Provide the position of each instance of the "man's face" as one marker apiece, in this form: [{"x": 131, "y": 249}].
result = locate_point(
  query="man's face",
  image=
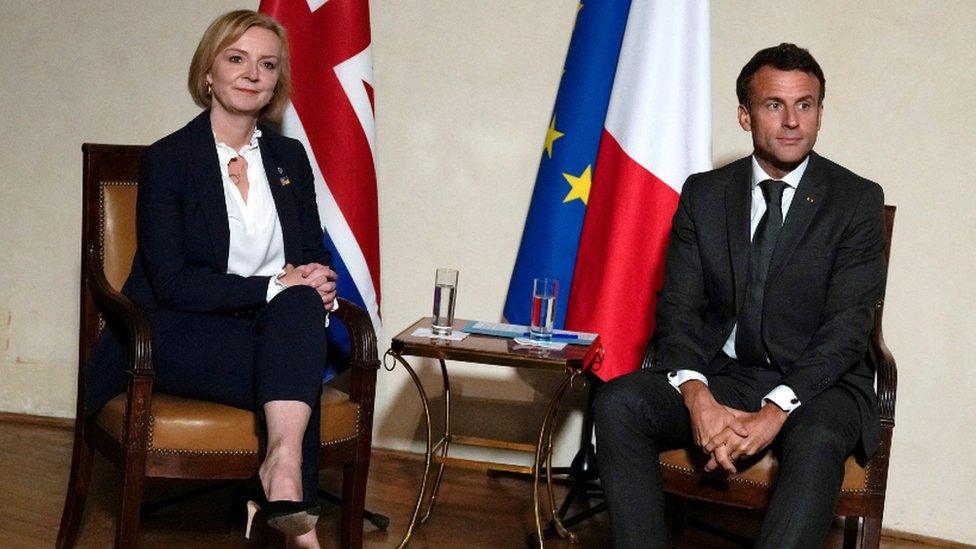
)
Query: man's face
[{"x": 783, "y": 115}]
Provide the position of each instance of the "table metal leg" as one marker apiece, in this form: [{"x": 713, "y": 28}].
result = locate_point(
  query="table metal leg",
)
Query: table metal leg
[
  {"x": 556, "y": 517},
  {"x": 556, "y": 520},
  {"x": 544, "y": 451},
  {"x": 445, "y": 445},
  {"x": 430, "y": 442},
  {"x": 437, "y": 452}
]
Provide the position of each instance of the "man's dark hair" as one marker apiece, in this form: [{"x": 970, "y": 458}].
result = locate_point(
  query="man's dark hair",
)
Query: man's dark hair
[{"x": 785, "y": 57}]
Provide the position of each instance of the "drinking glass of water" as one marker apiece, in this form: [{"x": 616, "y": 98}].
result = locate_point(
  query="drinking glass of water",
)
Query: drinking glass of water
[
  {"x": 445, "y": 291},
  {"x": 544, "y": 292}
]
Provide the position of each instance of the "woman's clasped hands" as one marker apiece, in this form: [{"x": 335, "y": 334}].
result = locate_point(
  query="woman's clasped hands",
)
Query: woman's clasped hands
[{"x": 318, "y": 276}]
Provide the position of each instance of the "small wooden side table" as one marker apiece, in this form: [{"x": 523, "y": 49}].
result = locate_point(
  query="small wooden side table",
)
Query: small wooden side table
[{"x": 572, "y": 360}]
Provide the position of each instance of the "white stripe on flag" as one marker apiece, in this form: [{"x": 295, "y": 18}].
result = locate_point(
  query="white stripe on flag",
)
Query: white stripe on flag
[
  {"x": 316, "y": 4},
  {"x": 660, "y": 107},
  {"x": 352, "y": 73},
  {"x": 335, "y": 223}
]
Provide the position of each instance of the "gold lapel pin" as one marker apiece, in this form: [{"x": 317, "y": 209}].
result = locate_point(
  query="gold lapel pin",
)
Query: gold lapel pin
[{"x": 284, "y": 181}]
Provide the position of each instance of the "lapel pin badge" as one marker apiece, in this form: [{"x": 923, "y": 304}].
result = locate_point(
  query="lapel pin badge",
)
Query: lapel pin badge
[
  {"x": 284, "y": 181},
  {"x": 810, "y": 199},
  {"x": 280, "y": 171}
]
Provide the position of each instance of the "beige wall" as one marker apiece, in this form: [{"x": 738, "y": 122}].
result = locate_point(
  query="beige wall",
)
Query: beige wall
[{"x": 464, "y": 92}]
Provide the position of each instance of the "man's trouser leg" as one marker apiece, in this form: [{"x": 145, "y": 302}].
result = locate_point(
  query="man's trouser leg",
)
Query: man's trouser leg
[
  {"x": 636, "y": 417},
  {"x": 812, "y": 446},
  {"x": 634, "y": 414}
]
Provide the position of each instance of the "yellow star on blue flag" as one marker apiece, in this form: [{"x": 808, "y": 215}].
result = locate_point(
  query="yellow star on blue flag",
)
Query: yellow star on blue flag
[
  {"x": 579, "y": 185},
  {"x": 551, "y": 136}
]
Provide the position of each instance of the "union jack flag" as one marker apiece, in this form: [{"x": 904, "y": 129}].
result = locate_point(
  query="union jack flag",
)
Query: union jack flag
[{"x": 331, "y": 113}]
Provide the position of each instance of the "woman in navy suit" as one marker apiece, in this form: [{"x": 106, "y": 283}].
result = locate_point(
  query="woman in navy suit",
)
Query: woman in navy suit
[{"x": 230, "y": 267}]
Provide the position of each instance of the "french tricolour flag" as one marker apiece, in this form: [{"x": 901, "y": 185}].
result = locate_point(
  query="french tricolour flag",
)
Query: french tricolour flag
[
  {"x": 331, "y": 113},
  {"x": 657, "y": 132},
  {"x": 632, "y": 120}
]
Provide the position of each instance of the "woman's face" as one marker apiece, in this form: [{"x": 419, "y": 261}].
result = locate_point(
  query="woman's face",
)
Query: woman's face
[{"x": 244, "y": 74}]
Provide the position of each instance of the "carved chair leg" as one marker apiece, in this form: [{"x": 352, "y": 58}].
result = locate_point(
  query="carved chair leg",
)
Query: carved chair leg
[
  {"x": 130, "y": 499},
  {"x": 77, "y": 494},
  {"x": 354, "y": 477},
  {"x": 851, "y": 530},
  {"x": 872, "y": 533}
]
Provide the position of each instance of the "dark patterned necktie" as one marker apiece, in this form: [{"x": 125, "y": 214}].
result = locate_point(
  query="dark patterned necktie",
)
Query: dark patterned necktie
[{"x": 749, "y": 346}]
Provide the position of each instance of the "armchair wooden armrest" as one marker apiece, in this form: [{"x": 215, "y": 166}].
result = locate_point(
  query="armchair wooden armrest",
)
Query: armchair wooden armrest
[
  {"x": 363, "y": 355},
  {"x": 363, "y": 358},
  {"x": 121, "y": 311},
  {"x": 887, "y": 372},
  {"x": 885, "y": 369}
]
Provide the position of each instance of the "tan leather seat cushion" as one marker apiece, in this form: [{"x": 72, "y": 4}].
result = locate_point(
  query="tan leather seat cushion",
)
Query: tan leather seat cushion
[
  {"x": 762, "y": 472},
  {"x": 185, "y": 425}
]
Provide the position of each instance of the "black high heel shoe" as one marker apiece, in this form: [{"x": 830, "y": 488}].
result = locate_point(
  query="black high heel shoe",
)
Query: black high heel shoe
[{"x": 292, "y": 518}]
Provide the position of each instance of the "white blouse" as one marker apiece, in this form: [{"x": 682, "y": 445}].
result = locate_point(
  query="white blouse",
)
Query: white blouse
[{"x": 256, "y": 245}]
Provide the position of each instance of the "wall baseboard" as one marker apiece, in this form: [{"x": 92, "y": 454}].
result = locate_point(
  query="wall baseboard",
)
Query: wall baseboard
[
  {"x": 929, "y": 541},
  {"x": 29, "y": 419}
]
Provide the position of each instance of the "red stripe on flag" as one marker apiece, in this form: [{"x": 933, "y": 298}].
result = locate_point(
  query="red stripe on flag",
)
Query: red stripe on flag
[
  {"x": 620, "y": 263},
  {"x": 372, "y": 100}
]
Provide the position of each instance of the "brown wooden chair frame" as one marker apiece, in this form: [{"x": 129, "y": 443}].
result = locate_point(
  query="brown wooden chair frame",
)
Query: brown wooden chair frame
[
  {"x": 864, "y": 502},
  {"x": 119, "y": 165}
]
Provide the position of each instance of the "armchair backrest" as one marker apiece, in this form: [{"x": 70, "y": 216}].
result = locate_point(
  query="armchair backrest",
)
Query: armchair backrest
[{"x": 109, "y": 187}]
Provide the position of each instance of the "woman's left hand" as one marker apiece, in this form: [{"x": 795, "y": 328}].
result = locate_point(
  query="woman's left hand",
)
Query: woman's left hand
[{"x": 323, "y": 279}]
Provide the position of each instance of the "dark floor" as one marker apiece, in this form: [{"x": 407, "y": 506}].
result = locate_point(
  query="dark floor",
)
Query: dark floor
[{"x": 473, "y": 510}]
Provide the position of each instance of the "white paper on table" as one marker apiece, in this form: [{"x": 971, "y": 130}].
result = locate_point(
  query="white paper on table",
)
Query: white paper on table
[
  {"x": 427, "y": 332},
  {"x": 543, "y": 344}
]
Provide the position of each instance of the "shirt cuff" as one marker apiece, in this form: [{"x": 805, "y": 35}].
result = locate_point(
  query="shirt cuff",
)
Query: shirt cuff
[
  {"x": 681, "y": 376},
  {"x": 334, "y": 308},
  {"x": 784, "y": 397},
  {"x": 275, "y": 286}
]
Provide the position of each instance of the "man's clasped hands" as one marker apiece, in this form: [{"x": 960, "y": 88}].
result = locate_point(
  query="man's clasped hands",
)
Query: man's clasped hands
[{"x": 725, "y": 433}]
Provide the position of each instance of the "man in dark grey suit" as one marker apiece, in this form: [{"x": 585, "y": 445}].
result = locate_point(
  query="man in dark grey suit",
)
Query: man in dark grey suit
[{"x": 773, "y": 269}]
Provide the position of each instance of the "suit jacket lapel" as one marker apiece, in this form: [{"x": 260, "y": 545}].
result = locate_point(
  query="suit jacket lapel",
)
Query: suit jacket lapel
[
  {"x": 204, "y": 168},
  {"x": 810, "y": 194},
  {"x": 738, "y": 212},
  {"x": 284, "y": 200}
]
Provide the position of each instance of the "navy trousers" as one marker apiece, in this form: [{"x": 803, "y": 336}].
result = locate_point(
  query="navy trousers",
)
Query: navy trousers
[
  {"x": 245, "y": 361},
  {"x": 641, "y": 414}
]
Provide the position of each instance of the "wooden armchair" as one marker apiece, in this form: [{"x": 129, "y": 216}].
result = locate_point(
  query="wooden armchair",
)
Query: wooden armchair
[
  {"x": 150, "y": 434},
  {"x": 863, "y": 490}
]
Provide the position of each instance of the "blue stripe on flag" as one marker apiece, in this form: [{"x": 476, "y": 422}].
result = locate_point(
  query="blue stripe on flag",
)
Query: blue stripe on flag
[
  {"x": 336, "y": 334},
  {"x": 552, "y": 228}
]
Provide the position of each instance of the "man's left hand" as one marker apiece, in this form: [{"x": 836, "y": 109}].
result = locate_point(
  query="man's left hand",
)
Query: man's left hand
[{"x": 728, "y": 446}]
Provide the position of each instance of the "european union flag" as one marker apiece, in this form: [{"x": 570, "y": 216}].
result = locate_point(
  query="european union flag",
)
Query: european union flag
[{"x": 552, "y": 229}]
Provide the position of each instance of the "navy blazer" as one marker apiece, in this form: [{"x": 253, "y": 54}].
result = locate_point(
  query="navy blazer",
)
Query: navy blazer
[
  {"x": 183, "y": 235},
  {"x": 825, "y": 276},
  {"x": 182, "y": 226}
]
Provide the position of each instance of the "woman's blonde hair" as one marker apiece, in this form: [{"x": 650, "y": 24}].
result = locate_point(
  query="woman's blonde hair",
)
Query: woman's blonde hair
[{"x": 223, "y": 32}]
